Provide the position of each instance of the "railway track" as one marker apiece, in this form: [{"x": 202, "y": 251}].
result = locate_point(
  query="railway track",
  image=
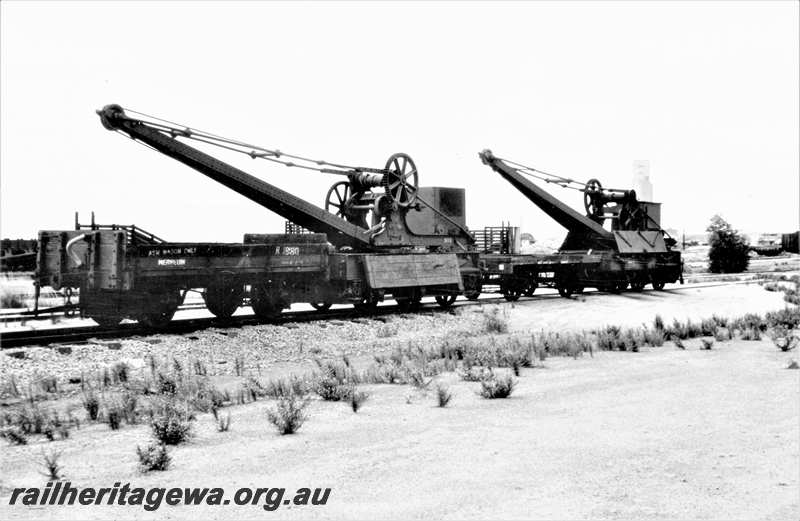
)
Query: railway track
[{"x": 82, "y": 334}]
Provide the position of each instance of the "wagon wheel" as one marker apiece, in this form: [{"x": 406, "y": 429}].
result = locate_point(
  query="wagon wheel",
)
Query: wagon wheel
[
  {"x": 265, "y": 305},
  {"x": 592, "y": 188},
  {"x": 445, "y": 301},
  {"x": 337, "y": 198},
  {"x": 159, "y": 309},
  {"x": 511, "y": 289},
  {"x": 321, "y": 306},
  {"x": 530, "y": 288},
  {"x": 658, "y": 285},
  {"x": 366, "y": 307},
  {"x": 107, "y": 320},
  {"x": 402, "y": 180},
  {"x": 223, "y": 298}
]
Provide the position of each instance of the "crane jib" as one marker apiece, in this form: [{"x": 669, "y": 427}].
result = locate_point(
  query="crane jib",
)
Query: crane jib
[{"x": 307, "y": 215}]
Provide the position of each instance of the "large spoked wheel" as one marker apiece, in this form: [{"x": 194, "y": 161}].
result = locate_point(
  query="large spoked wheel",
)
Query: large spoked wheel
[
  {"x": 223, "y": 298},
  {"x": 402, "y": 180},
  {"x": 265, "y": 305},
  {"x": 592, "y": 188},
  {"x": 321, "y": 306},
  {"x": 159, "y": 309},
  {"x": 337, "y": 198},
  {"x": 445, "y": 301}
]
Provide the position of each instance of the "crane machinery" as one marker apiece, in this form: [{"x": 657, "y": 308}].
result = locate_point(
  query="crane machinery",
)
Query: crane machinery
[{"x": 618, "y": 243}]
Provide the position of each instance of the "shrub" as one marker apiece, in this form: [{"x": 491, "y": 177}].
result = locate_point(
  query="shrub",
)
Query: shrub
[
  {"x": 793, "y": 365},
  {"x": 654, "y": 337},
  {"x": 387, "y": 330},
  {"x": 494, "y": 323},
  {"x": 285, "y": 387},
  {"x": 357, "y": 399},
  {"x": 91, "y": 403},
  {"x": 783, "y": 338},
  {"x": 114, "y": 417},
  {"x": 658, "y": 323},
  {"x": 678, "y": 343},
  {"x": 120, "y": 372},
  {"x": 223, "y": 424},
  {"x": 128, "y": 407},
  {"x": 331, "y": 390},
  {"x": 492, "y": 388},
  {"x": 723, "y": 334},
  {"x": 752, "y": 333},
  {"x": 154, "y": 457},
  {"x": 708, "y": 343},
  {"x": 289, "y": 415},
  {"x": 52, "y": 468},
  {"x": 49, "y": 384},
  {"x": 475, "y": 374},
  {"x": 171, "y": 423},
  {"x": 443, "y": 395},
  {"x": 787, "y": 317},
  {"x": 728, "y": 249},
  {"x": 31, "y": 419},
  {"x": 14, "y": 435}
]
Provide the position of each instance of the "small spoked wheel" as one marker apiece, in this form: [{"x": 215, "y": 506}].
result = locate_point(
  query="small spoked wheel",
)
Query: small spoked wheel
[
  {"x": 445, "y": 301},
  {"x": 402, "y": 180},
  {"x": 337, "y": 198},
  {"x": 321, "y": 306}
]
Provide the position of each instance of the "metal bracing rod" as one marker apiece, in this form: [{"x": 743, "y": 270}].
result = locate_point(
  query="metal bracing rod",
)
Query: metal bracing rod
[
  {"x": 558, "y": 211},
  {"x": 307, "y": 215},
  {"x": 254, "y": 151}
]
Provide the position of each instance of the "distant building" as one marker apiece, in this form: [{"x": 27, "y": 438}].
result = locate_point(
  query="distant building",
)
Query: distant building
[{"x": 641, "y": 180}]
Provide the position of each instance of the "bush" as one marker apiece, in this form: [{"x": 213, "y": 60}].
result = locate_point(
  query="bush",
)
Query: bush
[
  {"x": 783, "y": 338},
  {"x": 154, "y": 457},
  {"x": 723, "y": 334},
  {"x": 494, "y": 323},
  {"x": 14, "y": 435},
  {"x": 786, "y": 317},
  {"x": 120, "y": 372},
  {"x": 114, "y": 417},
  {"x": 752, "y": 333},
  {"x": 708, "y": 343},
  {"x": 729, "y": 250},
  {"x": 91, "y": 403},
  {"x": 492, "y": 388},
  {"x": 289, "y": 415},
  {"x": 171, "y": 424},
  {"x": 678, "y": 343},
  {"x": 443, "y": 395},
  {"x": 223, "y": 424},
  {"x": 52, "y": 468},
  {"x": 286, "y": 386},
  {"x": 357, "y": 399}
]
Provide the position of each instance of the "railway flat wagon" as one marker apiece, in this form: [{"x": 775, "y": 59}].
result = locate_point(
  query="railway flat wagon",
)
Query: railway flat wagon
[
  {"x": 632, "y": 251},
  {"x": 379, "y": 236}
]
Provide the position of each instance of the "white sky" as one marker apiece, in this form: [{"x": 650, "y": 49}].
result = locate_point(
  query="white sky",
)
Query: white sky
[{"x": 708, "y": 93}]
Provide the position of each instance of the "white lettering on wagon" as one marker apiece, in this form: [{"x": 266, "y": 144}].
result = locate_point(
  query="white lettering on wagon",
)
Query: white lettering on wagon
[
  {"x": 171, "y": 262},
  {"x": 287, "y": 250}
]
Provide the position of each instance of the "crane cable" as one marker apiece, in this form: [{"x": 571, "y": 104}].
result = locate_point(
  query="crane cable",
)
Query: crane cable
[{"x": 255, "y": 151}]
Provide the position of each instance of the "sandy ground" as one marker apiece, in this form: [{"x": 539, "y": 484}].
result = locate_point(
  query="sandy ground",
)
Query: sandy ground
[
  {"x": 660, "y": 434},
  {"x": 664, "y": 434}
]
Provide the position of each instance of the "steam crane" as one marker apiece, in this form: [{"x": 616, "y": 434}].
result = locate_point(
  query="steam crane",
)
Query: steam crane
[
  {"x": 380, "y": 234},
  {"x": 401, "y": 216},
  {"x": 634, "y": 250}
]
